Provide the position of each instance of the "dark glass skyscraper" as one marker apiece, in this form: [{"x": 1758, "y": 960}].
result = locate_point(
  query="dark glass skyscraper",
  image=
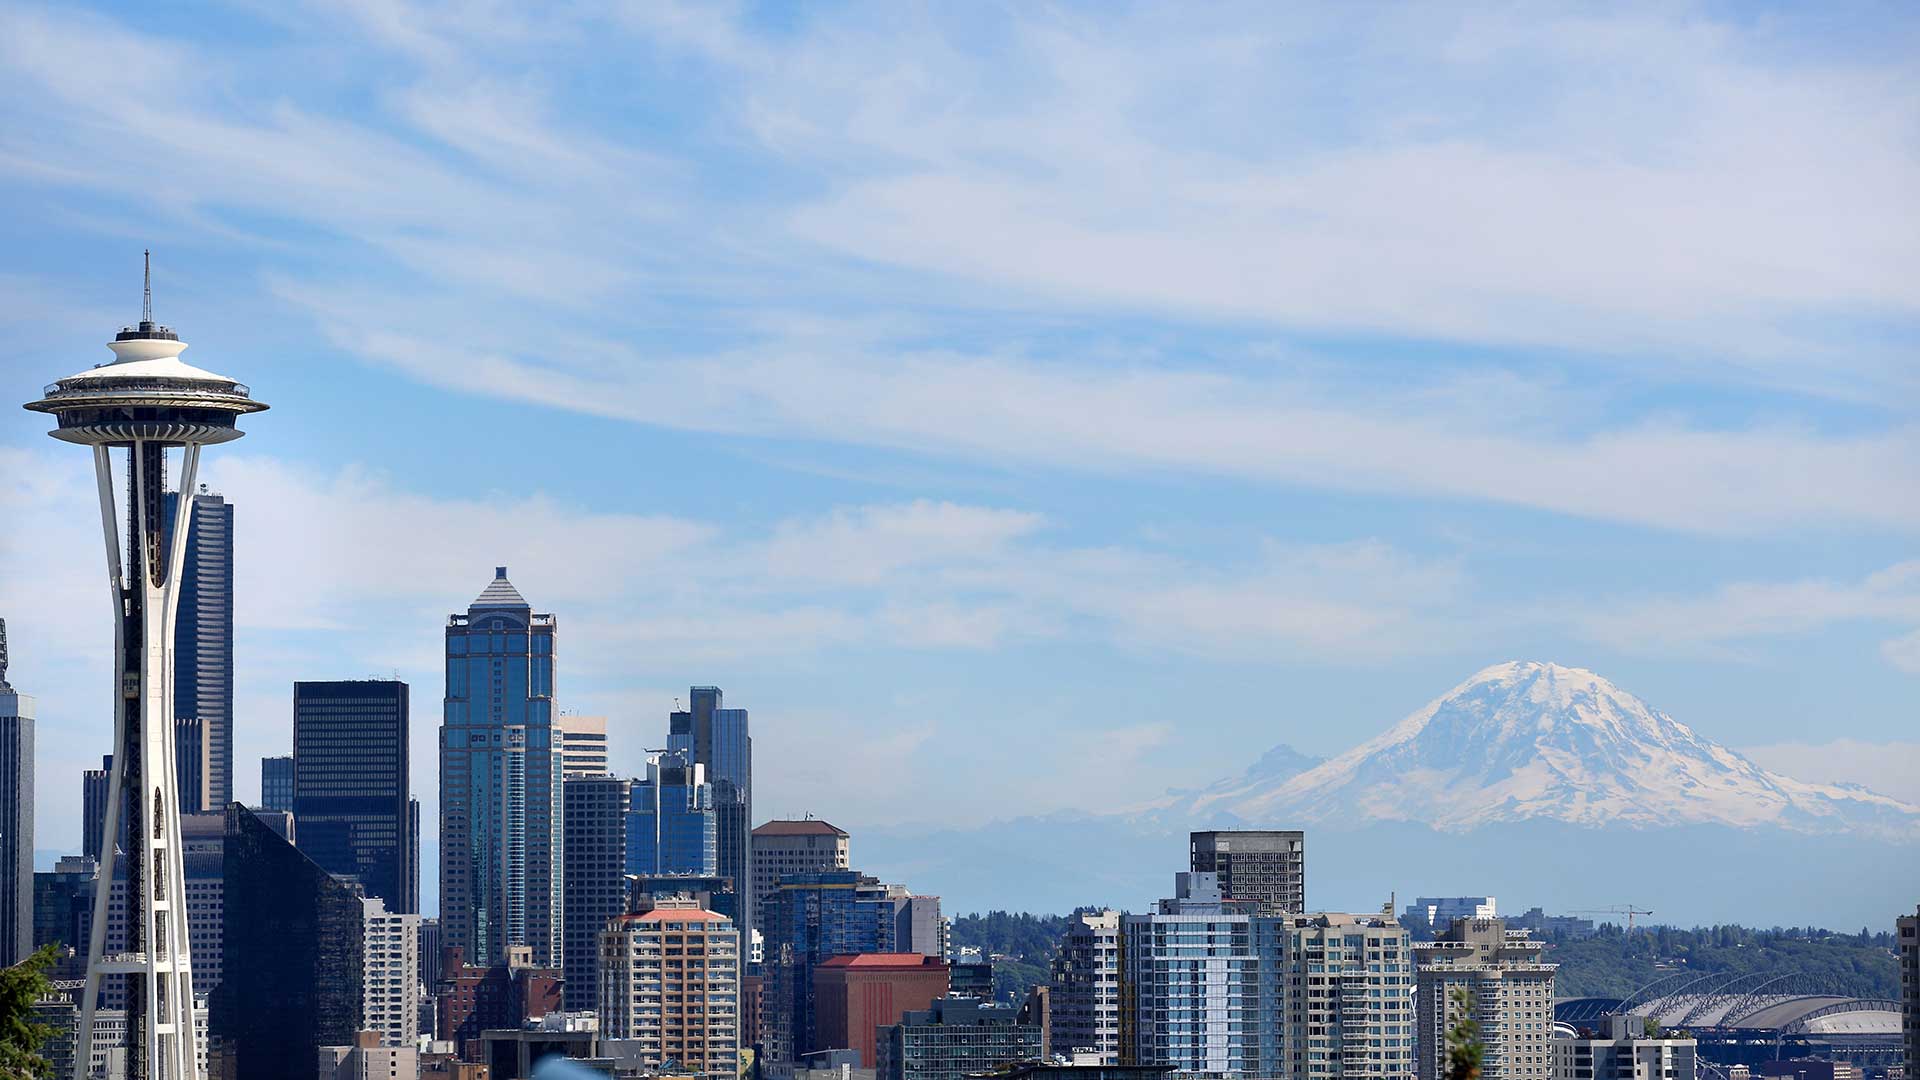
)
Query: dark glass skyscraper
[
  {"x": 203, "y": 641},
  {"x": 276, "y": 783},
  {"x": 296, "y": 934},
  {"x": 350, "y": 783},
  {"x": 191, "y": 756},
  {"x": 596, "y": 863},
  {"x": 93, "y": 807},
  {"x": 500, "y": 767},
  {"x": 16, "y": 817},
  {"x": 719, "y": 740}
]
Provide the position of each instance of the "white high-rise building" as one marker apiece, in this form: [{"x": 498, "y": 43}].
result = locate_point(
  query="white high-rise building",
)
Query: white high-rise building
[
  {"x": 390, "y": 974},
  {"x": 1622, "y": 1049},
  {"x": 1217, "y": 990},
  {"x": 1511, "y": 990},
  {"x": 1191, "y": 973},
  {"x": 583, "y": 745},
  {"x": 1346, "y": 984},
  {"x": 145, "y": 403},
  {"x": 1084, "y": 993}
]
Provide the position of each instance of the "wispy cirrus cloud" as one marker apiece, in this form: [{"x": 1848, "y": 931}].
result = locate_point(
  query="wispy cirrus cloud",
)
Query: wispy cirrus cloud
[
  {"x": 343, "y": 572},
  {"x": 1724, "y": 619},
  {"x": 1672, "y": 196}
]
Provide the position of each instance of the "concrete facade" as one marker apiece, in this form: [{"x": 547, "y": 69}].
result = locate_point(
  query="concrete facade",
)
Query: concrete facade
[
  {"x": 670, "y": 982},
  {"x": 954, "y": 1038},
  {"x": 1620, "y": 1051},
  {"x": 1511, "y": 989},
  {"x": 785, "y": 848},
  {"x": 583, "y": 745},
  {"x": 390, "y": 974},
  {"x": 1084, "y": 994},
  {"x": 1268, "y": 867}
]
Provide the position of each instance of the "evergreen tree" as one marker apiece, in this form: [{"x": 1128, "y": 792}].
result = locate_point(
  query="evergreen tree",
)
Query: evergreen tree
[
  {"x": 1464, "y": 1049},
  {"x": 20, "y": 1035}
]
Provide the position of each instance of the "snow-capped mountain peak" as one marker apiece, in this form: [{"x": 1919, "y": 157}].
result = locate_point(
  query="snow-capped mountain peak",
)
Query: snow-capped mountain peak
[{"x": 1527, "y": 740}]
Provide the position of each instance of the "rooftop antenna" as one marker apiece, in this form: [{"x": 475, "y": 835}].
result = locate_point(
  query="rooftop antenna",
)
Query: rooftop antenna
[{"x": 146, "y": 297}]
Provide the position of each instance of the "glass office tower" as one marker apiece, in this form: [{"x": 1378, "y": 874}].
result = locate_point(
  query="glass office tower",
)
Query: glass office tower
[
  {"x": 596, "y": 868},
  {"x": 500, "y": 772},
  {"x": 296, "y": 935},
  {"x": 351, "y": 784},
  {"x": 203, "y": 644},
  {"x": 671, "y": 824},
  {"x": 719, "y": 740},
  {"x": 16, "y": 817},
  {"x": 276, "y": 783}
]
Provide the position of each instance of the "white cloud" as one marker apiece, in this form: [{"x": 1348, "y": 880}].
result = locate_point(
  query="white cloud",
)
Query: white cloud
[
  {"x": 343, "y": 574},
  {"x": 1110, "y": 418},
  {"x": 1668, "y": 193},
  {"x": 1644, "y": 179},
  {"x": 1741, "y": 612},
  {"x": 1903, "y": 652}
]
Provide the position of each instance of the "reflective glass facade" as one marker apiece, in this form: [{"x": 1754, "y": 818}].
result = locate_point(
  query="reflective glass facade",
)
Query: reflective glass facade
[
  {"x": 203, "y": 644},
  {"x": 301, "y": 931},
  {"x": 350, "y": 790},
  {"x": 16, "y": 819},
  {"x": 596, "y": 863},
  {"x": 720, "y": 740},
  {"x": 810, "y": 918},
  {"x": 500, "y": 770},
  {"x": 671, "y": 824}
]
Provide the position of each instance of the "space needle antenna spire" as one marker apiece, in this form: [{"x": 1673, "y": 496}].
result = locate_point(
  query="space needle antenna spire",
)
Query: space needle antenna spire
[{"x": 146, "y": 294}]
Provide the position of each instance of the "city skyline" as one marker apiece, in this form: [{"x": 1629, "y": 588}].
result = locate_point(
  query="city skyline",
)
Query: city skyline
[{"x": 903, "y": 494}]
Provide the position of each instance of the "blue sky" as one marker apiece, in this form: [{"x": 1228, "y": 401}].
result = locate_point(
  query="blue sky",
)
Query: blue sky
[{"x": 1019, "y": 408}]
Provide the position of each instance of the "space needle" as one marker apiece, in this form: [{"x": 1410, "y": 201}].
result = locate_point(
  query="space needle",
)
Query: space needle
[{"x": 145, "y": 402}]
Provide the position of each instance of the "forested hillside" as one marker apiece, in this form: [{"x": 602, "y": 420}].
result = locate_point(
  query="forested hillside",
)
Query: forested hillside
[
  {"x": 1609, "y": 964},
  {"x": 1026, "y": 941}
]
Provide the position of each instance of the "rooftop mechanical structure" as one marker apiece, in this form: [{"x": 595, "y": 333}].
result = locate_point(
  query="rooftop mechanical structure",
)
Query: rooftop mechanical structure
[{"x": 143, "y": 403}]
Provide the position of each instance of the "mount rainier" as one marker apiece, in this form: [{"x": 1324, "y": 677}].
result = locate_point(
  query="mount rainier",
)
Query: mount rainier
[
  {"x": 1542, "y": 784},
  {"x": 1524, "y": 741}
]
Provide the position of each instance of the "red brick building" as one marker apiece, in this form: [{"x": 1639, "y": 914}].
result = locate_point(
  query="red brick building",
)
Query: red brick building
[
  {"x": 751, "y": 989},
  {"x": 472, "y": 999},
  {"x": 853, "y": 995}
]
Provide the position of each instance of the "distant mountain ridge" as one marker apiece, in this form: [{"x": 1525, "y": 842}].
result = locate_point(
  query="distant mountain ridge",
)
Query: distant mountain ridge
[{"x": 1529, "y": 741}]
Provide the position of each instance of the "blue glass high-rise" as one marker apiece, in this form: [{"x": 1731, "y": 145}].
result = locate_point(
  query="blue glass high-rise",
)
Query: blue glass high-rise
[
  {"x": 203, "y": 644},
  {"x": 500, "y": 771},
  {"x": 720, "y": 740},
  {"x": 672, "y": 827},
  {"x": 812, "y": 916}
]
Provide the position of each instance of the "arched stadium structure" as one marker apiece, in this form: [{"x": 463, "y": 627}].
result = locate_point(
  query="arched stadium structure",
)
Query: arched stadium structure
[{"x": 1747, "y": 1020}]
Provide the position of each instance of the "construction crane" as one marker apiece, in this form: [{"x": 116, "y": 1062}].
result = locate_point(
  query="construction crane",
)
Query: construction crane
[{"x": 1620, "y": 909}]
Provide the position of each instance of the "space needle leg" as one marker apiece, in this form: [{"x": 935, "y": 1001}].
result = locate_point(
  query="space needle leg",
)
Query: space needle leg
[{"x": 110, "y": 842}]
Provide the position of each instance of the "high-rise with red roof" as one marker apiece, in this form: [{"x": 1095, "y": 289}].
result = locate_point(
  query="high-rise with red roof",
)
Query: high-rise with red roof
[{"x": 670, "y": 981}]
